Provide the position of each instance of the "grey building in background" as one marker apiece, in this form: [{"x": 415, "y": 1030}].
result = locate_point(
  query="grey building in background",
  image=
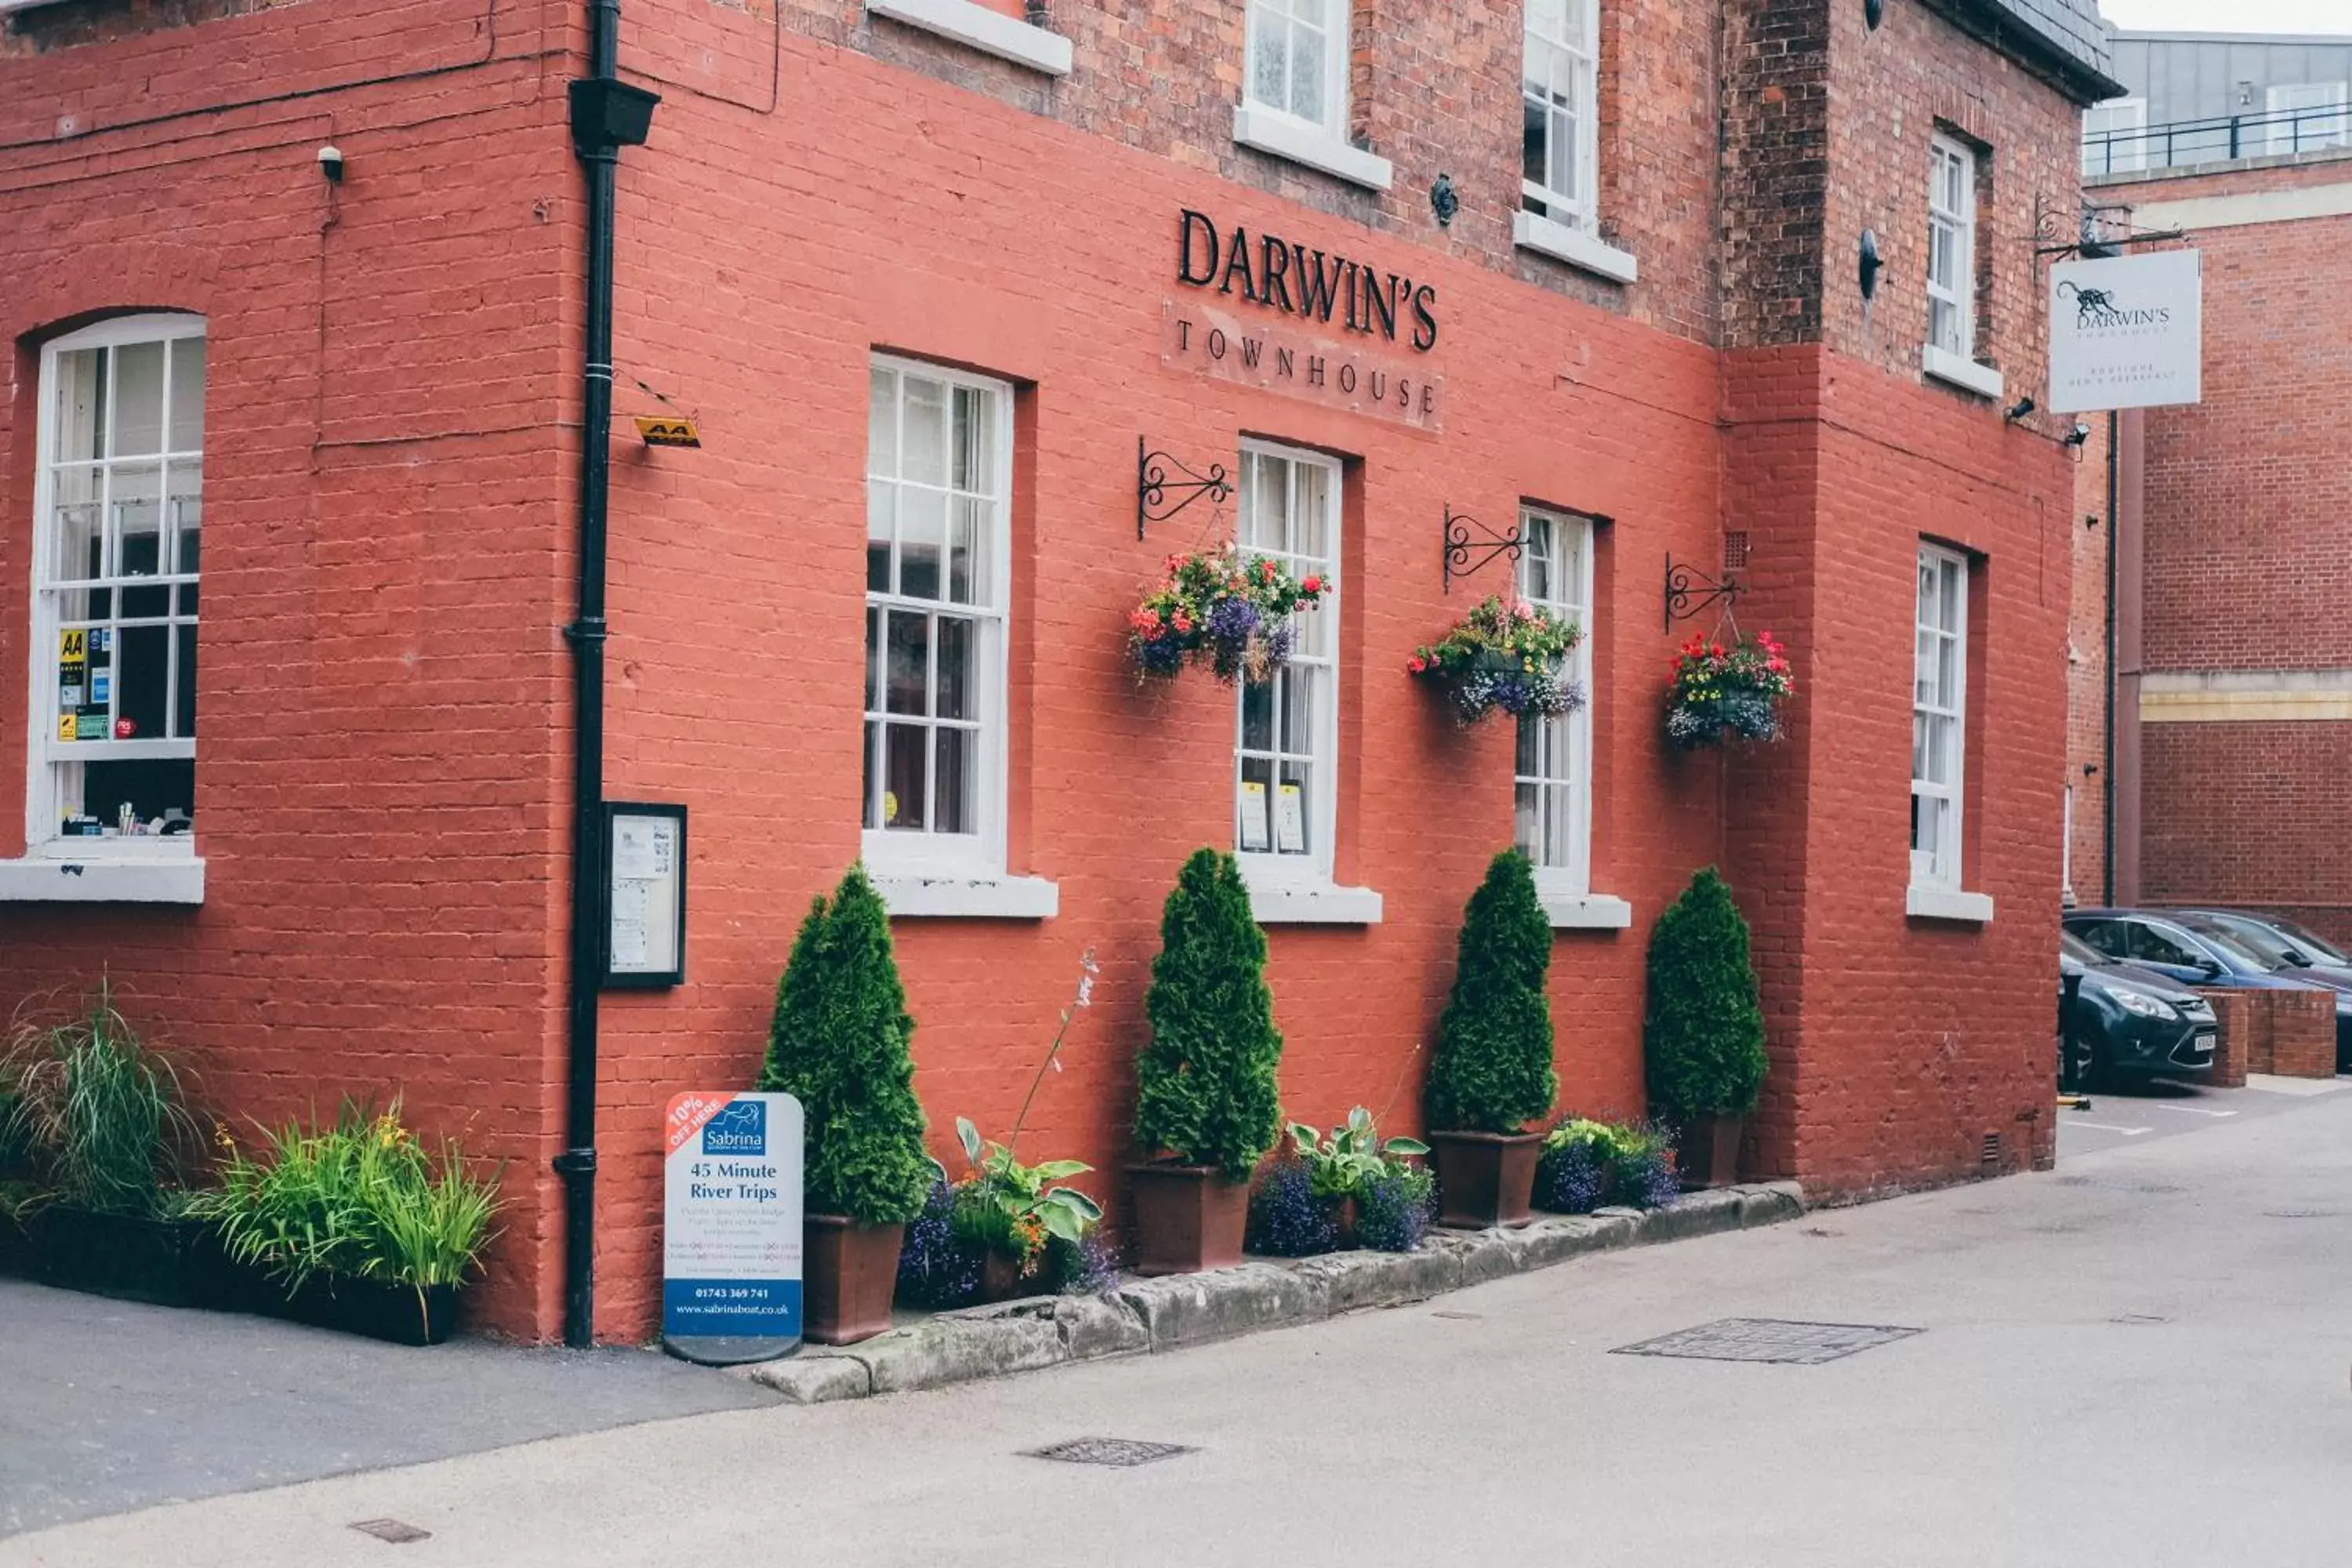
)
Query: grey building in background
[{"x": 2205, "y": 98}]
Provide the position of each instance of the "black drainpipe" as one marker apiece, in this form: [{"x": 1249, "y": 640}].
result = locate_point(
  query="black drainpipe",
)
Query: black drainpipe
[
  {"x": 2107, "y": 763},
  {"x": 606, "y": 115}
]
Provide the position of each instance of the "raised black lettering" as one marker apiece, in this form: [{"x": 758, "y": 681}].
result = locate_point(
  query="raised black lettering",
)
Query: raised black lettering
[
  {"x": 1273, "y": 272},
  {"x": 1428, "y": 398},
  {"x": 1348, "y": 379},
  {"x": 1424, "y": 316},
  {"x": 1237, "y": 259},
  {"x": 1404, "y": 393},
  {"x": 1380, "y": 304},
  {"x": 1380, "y": 386},
  {"x": 1314, "y": 369},
  {"x": 1216, "y": 343},
  {"x": 1284, "y": 365},
  {"x": 1183, "y": 335},
  {"x": 1196, "y": 222},
  {"x": 1318, "y": 289},
  {"x": 1355, "y": 274},
  {"x": 1251, "y": 349}
]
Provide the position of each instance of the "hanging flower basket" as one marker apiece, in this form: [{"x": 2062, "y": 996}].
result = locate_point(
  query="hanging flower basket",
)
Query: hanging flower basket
[
  {"x": 1223, "y": 610},
  {"x": 1723, "y": 693},
  {"x": 1511, "y": 657}
]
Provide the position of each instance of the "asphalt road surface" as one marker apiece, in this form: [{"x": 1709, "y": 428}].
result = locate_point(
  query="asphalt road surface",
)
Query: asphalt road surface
[{"x": 2139, "y": 1360}]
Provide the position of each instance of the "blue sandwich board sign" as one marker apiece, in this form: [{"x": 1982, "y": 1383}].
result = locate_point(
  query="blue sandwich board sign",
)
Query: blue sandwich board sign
[{"x": 731, "y": 1227}]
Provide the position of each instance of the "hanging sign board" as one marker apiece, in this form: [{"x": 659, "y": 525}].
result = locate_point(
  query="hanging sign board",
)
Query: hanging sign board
[
  {"x": 2126, "y": 332},
  {"x": 644, "y": 896},
  {"x": 731, "y": 1227}
]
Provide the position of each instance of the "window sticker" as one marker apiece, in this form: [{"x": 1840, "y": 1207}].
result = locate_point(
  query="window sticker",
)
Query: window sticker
[
  {"x": 1254, "y": 837},
  {"x": 1290, "y": 821}
]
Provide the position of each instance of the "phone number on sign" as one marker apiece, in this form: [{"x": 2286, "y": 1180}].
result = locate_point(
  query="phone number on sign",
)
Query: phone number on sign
[{"x": 730, "y": 1292}]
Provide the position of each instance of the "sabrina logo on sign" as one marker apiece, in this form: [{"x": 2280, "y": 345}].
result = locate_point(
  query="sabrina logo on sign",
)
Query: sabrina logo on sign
[{"x": 741, "y": 1129}]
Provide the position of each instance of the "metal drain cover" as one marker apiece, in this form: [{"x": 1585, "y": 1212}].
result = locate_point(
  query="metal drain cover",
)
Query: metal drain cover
[
  {"x": 1770, "y": 1340},
  {"x": 1122, "y": 1452},
  {"x": 400, "y": 1533}
]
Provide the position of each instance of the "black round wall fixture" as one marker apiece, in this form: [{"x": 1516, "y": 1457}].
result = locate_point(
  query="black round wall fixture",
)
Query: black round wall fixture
[
  {"x": 1873, "y": 12},
  {"x": 1870, "y": 264}
]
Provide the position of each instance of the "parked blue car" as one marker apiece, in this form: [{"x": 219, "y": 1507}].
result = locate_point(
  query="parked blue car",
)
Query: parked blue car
[
  {"x": 2202, "y": 952},
  {"x": 2301, "y": 954}
]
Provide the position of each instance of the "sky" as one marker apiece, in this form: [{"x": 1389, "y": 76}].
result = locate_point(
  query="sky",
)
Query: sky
[{"x": 2230, "y": 15}]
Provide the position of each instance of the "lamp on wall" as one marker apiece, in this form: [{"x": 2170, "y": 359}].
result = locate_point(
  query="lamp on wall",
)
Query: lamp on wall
[
  {"x": 1873, "y": 12},
  {"x": 1869, "y": 265},
  {"x": 2020, "y": 409}
]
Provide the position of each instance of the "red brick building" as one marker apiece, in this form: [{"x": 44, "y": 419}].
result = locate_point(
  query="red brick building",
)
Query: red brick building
[
  {"x": 2231, "y": 700},
  {"x": 922, "y": 271}
]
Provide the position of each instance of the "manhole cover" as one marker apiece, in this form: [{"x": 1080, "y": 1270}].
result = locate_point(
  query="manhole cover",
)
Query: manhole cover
[
  {"x": 1123, "y": 1452},
  {"x": 1769, "y": 1339},
  {"x": 398, "y": 1531}
]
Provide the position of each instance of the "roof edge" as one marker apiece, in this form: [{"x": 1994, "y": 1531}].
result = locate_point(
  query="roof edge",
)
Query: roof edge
[{"x": 1995, "y": 25}]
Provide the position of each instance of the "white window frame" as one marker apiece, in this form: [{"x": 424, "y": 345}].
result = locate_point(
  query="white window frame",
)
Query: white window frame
[
  {"x": 1576, "y": 211},
  {"x": 1940, "y": 866},
  {"x": 1563, "y": 871},
  {"x": 176, "y": 853},
  {"x": 2115, "y": 116},
  {"x": 2066, "y": 847},
  {"x": 2289, "y": 97},
  {"x": 1271, "y": 867},
  {"x": 1949, "y": 158},
  {"x": 1337, "y": 21},
  {"x": 926, "y": 860}
]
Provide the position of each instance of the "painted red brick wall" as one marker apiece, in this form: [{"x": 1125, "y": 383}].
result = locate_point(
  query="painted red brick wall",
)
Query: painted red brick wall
[
  {"x": 386, "y": 486},
  {"x": 382, "y": 804}
]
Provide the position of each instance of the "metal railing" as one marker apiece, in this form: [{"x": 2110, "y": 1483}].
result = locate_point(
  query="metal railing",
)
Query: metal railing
[{"x": 2180, "y": 143}]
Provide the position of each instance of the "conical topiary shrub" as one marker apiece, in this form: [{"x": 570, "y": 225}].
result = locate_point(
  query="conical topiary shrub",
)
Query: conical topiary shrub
[
  {"x": 1491, "y": 1073},
  {"x": 1491, "y": 1068},
  {"x": 838, "y": 1045},
  {"x": 1702, "y": 1035},
  {"x": 1207, "y": 1090}
]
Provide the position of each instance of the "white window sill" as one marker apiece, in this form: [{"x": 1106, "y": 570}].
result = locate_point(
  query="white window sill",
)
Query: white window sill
[
  {"x": 1585, "y": 912},
  {"x": 1269, "y": 130},
  {"x": 991, "y": 32},
  {"x": 1946, "y": 904},
  {"x": 1965, "y": 373},
  {"x": 50, "y": 877},
  {"x": 970, "y": 898},
  {"x": 1533, "y": 231},
  {"x": 1281, "y": 898}
]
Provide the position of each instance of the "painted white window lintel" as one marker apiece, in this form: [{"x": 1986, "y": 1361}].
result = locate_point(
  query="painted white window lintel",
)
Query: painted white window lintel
[
  {"x": 970, "y": 898},
  {"x": 991, "y": 32},
  {"x": 56, "y": 878},
  {"x": 1584, "y": 912},
  {"x": 1533, "y": 231},
  {"x": 1946, "y": 904},
  {"x": 1285, "y": 136},
  {"x": 1965, "y": 373}
]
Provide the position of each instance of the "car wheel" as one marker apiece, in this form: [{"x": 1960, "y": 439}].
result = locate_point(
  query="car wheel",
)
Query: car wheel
[{"x": 2096, "y": 1071}]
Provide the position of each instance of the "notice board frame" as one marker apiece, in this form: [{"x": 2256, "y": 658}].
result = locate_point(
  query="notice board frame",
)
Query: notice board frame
[{"x": 636, "y": 979}]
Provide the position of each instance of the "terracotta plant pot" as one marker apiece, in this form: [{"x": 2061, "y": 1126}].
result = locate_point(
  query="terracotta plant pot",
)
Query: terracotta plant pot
[
  {"x": 849, "y": 1271},
  {"x": 1187, "y": 1219},
  {"x": 1485, "y": 1178},
  {"x": 1706, "y": 1151}
]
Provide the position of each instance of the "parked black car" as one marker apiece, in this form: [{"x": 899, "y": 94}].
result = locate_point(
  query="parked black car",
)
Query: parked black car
[
  {"x": 2300, "y": 955},
  {"x": 2201, "y": 951},
  {"x": 2127, "y": 1020}
]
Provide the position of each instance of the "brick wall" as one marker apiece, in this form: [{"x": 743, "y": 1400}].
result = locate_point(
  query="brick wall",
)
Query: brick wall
[
  {"x": 2246, "y": 555},
  {"x": 381, "y": 804},
  {"x": 378, "y": 712}
]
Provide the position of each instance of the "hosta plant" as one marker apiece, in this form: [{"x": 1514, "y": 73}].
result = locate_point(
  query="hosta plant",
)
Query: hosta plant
[
  {"x": 1344, "y": 1162},
  {"x": 1010, "y": 1209}
]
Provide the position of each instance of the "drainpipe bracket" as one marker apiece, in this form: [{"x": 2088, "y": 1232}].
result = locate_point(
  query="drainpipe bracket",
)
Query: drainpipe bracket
[{"x": 574, "y": 1162}]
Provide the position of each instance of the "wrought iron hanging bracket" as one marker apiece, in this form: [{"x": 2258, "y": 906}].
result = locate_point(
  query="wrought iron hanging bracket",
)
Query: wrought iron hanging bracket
[
  {"x": 2087, "y": 232},
  {"x": 1153, "y": 486},
  {"x": 1466, "y": 552},
  {"x": 1690, "y": 591}
]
